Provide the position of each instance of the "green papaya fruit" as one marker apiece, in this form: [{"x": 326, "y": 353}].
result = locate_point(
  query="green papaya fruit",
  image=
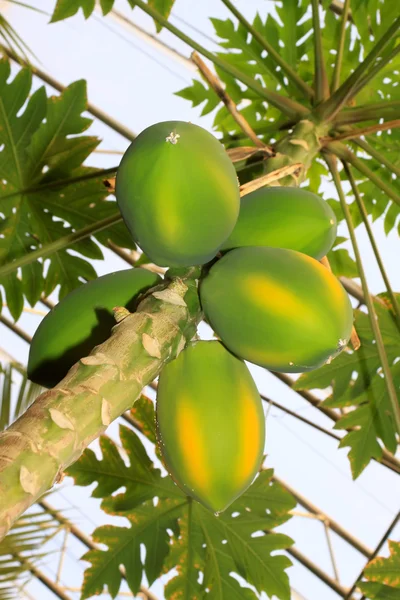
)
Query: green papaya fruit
[
  {"x": 210, "y": 424},
  {"x": 277, "y": 308},
  {"x": 178, "y": 193},
  {"x": 81, "y": 321},
  {"x": 284, "y": 217}
]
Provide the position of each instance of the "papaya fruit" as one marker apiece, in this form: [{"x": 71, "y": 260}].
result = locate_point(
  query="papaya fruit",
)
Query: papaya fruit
[
  {"x": 284, "y": 217},
  {"x": 178, "y": 193},
  {"x": 81, "y": 321},
  {"x": 277, "y": 308},
  {"x": 210, "y": 424}
]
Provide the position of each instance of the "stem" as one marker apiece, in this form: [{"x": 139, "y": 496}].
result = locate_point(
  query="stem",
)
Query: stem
[
  {"x": 328, "y": 110},
  {"x": 321, "y": 80},
  {"x": 368, "y": 112},
  {"x": 255, "y": 184},
  {"x": 62, "y": 182},
  {"x": 388, "y": 459},
  {"x": 342, "y": 38},
  {"x": 345, "y": 154},
  {"x": 375, "y": 70},
  {"x": 63, "y": 421},
  {"x": 364, "y": 215},
  {"x": 218, "y": 88},
  {"x": 286, "y": 68},
  {"x": 300, "y": 146},
  {"x": 60, "y": 244},
  {"x": 355, "y": 133},
  {"x": 289, "y": 107},
  {"x": 15, "y": 329},
  {"x": 381, "y": 158},
  {"x": 370, "y": 305}
]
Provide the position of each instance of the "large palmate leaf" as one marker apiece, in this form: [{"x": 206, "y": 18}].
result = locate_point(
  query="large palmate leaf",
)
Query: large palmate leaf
[
  {"x": 356, "y": 381},
  {"x": 68, "y": 8},
  {"x": 177, "y": 531},
  {"x": 41, "y": 146},
  {"x": 289, "y": 28},
  {"x": 383, "y": 575},
  {"x": 246, "y": 54}
]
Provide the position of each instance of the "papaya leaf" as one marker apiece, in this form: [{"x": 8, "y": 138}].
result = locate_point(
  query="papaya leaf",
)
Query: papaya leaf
[
  {"x": 342, "y": 264},
  {"x": 197, "y": 93},
  {"x": 356, "y": 381},
  {"x": 143, "y": 412},
  {"x": 68, "y": 8},
  {"x": 177, "y": 531},
  {"x": 383, "y": 575},
  {"x": 386, "y": 570},
  {"x": 141, "y": 480},
  {"x": 148, "y": 526},
  {"x": 43, "y": 146},
  {"x": 378, "y": 591}
]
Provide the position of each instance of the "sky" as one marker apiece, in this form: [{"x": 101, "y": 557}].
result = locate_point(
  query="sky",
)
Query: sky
[{"x": 134, "y": 82}]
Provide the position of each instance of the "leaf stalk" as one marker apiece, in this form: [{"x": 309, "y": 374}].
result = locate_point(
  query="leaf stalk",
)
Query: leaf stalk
[{"x": 373, "y": 318}]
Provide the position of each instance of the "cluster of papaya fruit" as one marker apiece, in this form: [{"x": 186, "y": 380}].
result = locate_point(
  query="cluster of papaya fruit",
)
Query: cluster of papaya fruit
[{"x": 263, "y": 291}]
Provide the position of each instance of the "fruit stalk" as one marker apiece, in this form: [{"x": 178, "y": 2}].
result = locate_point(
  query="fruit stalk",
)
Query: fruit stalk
[{"x": 63, "y": 421}]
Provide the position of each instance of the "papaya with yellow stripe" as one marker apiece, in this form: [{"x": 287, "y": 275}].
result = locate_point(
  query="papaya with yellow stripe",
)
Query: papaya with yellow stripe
[
  {"x": 277, "y": 308},
  {"x": 81, "y": 321},
  {"x": 284, "y": 217},
  {"x": 178, "y": 193},
  {"x": 210, "y": 424}
]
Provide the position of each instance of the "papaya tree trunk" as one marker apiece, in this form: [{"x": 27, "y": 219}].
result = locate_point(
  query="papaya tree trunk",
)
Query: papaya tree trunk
[{"x": 63, "y": 421}]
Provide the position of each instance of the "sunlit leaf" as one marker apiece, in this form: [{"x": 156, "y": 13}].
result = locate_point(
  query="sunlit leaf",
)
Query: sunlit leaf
[{"x": 43, "y": 146}]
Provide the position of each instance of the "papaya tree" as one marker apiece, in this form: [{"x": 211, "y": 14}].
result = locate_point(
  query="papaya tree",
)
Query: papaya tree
[{"x": 304, "y": 94}]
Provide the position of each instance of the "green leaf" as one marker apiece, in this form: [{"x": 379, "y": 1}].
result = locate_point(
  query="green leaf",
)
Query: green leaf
[
  {"x": 164, "y": 7},
  {"x": 342, "y": 264},
  {"x": 186, "y": 555},
  {"x": 198, "y": 93},
  {"x": 386, "y": 570},
  {"x": 14, "y": 295},
  {"x": 141, "y": 480},
  {"x": 148, "y": 526},
  {"x": 356, "y": 381},
  {"x": 143, "y": 412},
  {"x": 225, "y": 544},
  {"x": 68, "y": 8},
  {"x": 36, "y": 208},
  {"x": 244, "y": 52},
  {"x": 177, "y": 531},
  {"x": 378, "y": 591}
]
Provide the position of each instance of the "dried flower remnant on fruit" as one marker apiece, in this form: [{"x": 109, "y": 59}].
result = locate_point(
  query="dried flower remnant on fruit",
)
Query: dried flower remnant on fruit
[{"x": 172, "y": 138}]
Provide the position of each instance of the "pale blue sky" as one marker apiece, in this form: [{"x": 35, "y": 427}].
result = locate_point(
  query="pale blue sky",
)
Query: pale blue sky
[{"x": 134, "y": 83}]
